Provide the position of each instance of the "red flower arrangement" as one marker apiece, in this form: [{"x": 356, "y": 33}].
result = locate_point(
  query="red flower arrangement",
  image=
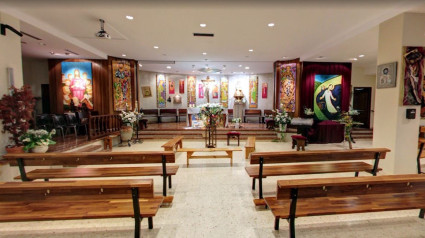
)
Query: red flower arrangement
[{"x": 16, "y": 112}]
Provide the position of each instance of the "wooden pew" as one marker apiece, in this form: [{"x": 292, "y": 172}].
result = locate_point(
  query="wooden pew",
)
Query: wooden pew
[
  {"x": 249, "y": 146},
  {"x": 95, "y": 158},
  {"x": 173, "y": 143},
  {"x": 252, "y": 113},
  {"x": 190, "y": 151},
  {"x": 260, "y": 171},
  {"x": 267, "y": 113},
  {"x": 64, "y": 200},
  {"x": 151, "y": 113},
  {"x": 328, "y": 196},
  {"x": 182, "y": 112},
  {"x": 167, "y": 113}
]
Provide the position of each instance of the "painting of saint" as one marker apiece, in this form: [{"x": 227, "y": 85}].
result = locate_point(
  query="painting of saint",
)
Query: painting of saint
[
  {"x": 264, "y": 90},
  {"x": 161, "y": 91},
  {"x": 181, "y": 86},
  {"x": 253, "y": 92},
  {"x": 215, "y": 91},
  {"x": 327, "y": 96},
  {"x": 201, "y": 90},
  {"x": 171, "y": 86},
  {"x": 122, "y": 84},
  {"x": 287, "y": 86},
  {"x": 224, "y": 91},
  {"x": 77, "y": 84},
  {"x": 191, "y": 91},
  {"x": 414, "y": 76}
]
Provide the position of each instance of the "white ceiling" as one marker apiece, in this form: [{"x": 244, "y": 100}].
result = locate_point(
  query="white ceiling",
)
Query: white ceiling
[{"x": 336, "y": 30}]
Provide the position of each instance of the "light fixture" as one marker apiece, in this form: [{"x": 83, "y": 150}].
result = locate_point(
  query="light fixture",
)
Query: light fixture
[
  {"x": 251, "y": 50},
  {"x": 246, "y": 67},
  {"x": 320, "y": 57},
  {"x": 271, "y": 24},
  {"x": 156, "y": 47},
  {"x": 129, "y": 17},
  {"x": 52, "y": 53},
  {"x": 203, "y": 25},
  {"x": 240, "y": 65},
  {"x": 124, "y": 55},
  {"x": 284, "y": 57},
  {"x": 41, "y": 43},
  {"x": 168, "y": 67},
  {"x": 140, "y": 65},
  {"x": 205, "y": 53},
  {"x": 361, "y": 56},
  {"x": 355, "y": 59}
]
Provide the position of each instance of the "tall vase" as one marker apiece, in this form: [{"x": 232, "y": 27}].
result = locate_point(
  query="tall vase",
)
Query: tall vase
[
  {"x": 281, "y": 132},
  {"x": 126, "y": 132}
]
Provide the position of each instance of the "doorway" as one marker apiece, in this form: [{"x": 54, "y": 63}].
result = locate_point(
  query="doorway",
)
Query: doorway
[
  {"x": 362, "y": 97},
  {"x": 45, "y": 98}
]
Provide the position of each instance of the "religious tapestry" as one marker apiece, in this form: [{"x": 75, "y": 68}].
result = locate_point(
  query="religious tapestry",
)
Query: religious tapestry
[
  {"x": 288, "y": 75},
  {"x": 171, "y": 87},
  {"x": 224, "y": 92},
  {"x": 414, "y": 77},
  {"x": 264, "y": 90},
  {"x": 201, "y": 90},
  {"x": 191, "y": 91},
  {"x": 327, "y": 96},
  {"x": 121, "y": 84},
  {"x": 215, "y": 91},
  {"x": 77, "y": 84},
  {"x": 181, "y": 86},
  {"x": 161, "y": 93},
  {"x": 253, "y": 92}
]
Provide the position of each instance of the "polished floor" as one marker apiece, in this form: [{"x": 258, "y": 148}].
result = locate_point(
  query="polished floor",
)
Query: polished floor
[{"x": 212, "y": 199}]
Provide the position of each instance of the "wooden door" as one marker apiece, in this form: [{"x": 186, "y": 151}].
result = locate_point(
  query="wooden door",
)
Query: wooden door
[
  {"x": 362, "y": 98},
  {"x": 45, "y": 98}
]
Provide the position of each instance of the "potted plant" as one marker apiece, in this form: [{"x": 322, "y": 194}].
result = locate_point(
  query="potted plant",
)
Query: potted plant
[
  {"x": 37, "y": 141},
  {"x": 128, "y": 119},
  {"x": 282, "y": 119},
  {"x": 347, "y": 119},
  {"x": 16, "y": 112},
  {"x": 237, "y": 122},
  {"x": 308, "y": 112}
]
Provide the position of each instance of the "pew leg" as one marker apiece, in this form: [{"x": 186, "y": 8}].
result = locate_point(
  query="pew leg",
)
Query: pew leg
[
  {"x": 136, "y": 228},
  {"x": 253, "y": 183},
  {"x": 276, "y": 223},
  {"x": 150, "y": 222},
  {"x": 422, "y": 213},
  {"x": 292, "y": 227},
  {"x": 164, "y": 186},
  {"x": 169, "y": 182},
  {"x": 46, "y": 179},
  {"x": 356, "y": 174}
]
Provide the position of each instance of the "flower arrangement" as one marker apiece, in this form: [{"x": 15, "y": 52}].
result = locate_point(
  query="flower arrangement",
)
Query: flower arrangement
[
  {"x": 210, "y": 113},
  {"x": 16, "y": 112},
  {"x": 347, "y": 120},
  {"x": 236, "y": 120},
  {"x": 308, "y": 111},
  {"x": 128, "y": 117},
  {"x": 282, "y": 117},
  {"x": 33, "y": 138}
]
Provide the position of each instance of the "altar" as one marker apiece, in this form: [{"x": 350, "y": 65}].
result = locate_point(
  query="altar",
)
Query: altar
[{"x": 194, "y": 111}]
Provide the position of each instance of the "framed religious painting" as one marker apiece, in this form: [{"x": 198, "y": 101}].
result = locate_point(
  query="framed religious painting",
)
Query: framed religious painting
[
  {"x": 386, "y": 75},
  {"x": 253, "y": 92},
  {"x": 146, "y": 91},
  {"x": 161, "y": 91},
  {"x": 171, "y": 87},
  {"x": 264, "y": 90},
  {"x": 77, "y": 84},
  {"x": 327, "y": 97},
  {"x": 181, "y": 86},
  {"x": 413, "y": 76}
]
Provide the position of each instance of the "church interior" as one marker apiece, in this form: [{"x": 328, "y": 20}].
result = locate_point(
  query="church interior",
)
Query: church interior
[{"x": 212, "y": 118}]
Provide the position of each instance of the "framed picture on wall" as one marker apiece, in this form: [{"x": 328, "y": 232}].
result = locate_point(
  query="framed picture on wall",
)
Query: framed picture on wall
[
  {"x": 386, "y": 75},
  {"x": 146, "y": 91}
]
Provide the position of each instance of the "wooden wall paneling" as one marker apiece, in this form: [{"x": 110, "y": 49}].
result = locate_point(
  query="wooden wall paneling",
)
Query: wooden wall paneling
[{"x": 55, "y": 84}]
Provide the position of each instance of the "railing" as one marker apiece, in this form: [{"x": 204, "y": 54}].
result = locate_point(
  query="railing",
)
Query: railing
[{"x": 103, "y": 125}]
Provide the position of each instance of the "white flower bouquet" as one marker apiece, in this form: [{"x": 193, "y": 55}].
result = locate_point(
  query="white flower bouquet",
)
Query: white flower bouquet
[
  {"x": 282, "y": 118},
  {"x": 128, "y": 117},
  {"x": 33, "y": 138},
  {"x": 308, "y": 111}
]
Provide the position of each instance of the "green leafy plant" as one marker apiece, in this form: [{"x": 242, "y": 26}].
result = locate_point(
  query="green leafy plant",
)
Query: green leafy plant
[
  {"x": 33, "y": 138},
  {"x": 236, "y": 120},
  {"x": 210, "y": 113}
]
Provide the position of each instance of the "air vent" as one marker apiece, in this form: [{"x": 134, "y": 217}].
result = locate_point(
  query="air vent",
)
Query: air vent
[
  {"x": 29, "y": 35},
  {"x": 204, "y": 34},
  {"x": 72, "y": 52}
]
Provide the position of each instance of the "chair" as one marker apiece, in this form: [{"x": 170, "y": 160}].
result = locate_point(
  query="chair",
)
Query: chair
[
  {"x": 71, "y": 122},
  {"x": 58, "y": 124},
  {"x": 82, "y": 120},
  {"x": 42, "y": 122}
]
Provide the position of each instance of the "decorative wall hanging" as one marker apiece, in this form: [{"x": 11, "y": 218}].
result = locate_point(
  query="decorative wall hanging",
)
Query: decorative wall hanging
[
  {"x": 215, "y": 91},
  {"x": 413, "y": 76},
  {"x": 161, "y": 93},
  {"x": 77, "y": 84},
  {"x": 191, "y": 91},
  {"x": 201, "y": 90},
  {"x": 327, "y": 96},
  {"x": 146, "y": 91},
  {"x": 288, "y": 75},
  {"x": 224, "y": 92},
  {"x": 253, "y": 92},
  {"x": 387, "y": 75},
  {"x": 264, "y": 90},
  {"x": 121, "y": 76},
  {"x": 171, "y": 87},
  {"x": 181, "y": 86},
  {"x": 177, "y": 99}
]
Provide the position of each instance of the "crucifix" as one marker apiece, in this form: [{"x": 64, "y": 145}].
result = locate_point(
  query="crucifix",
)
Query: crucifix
[{"x": 207, "y": 89}]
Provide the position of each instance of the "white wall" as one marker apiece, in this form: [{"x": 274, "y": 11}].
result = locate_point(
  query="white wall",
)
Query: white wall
[
  {"x": 359, "y": 78},
  {"x": 149, "y": 79},
  {"x": 10, "y": 56},
  {"x": 35, "y": 73}
]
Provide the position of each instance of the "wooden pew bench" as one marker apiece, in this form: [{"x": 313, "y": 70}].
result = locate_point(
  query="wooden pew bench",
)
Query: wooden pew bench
[
  {"x": 253, "y": 113},
  {"x": 191, "y": 151},
  {"x": 173, "y": 143},
  {"x": 182, "y": 113},
  {"x": 328, "y": 196},
  {"x": 96, "y": 158},
  {"x": 151, "y": 113},
  {"x": 249, "y": 146},
  {"x": 321, "y": 159},
  {"x": 167, "y": 113},
  {"x": 65, "y": 200}
]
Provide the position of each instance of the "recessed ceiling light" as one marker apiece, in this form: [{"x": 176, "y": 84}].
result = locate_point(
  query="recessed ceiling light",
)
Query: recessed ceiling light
[
  {"x": 140, "y": 65},
  {"x": 156, "y": 47},
  {"x": 193, "y": 71},
  {"x": 240, "y": 65},
  {"x": 42, "y": 43},
  {"x": 124, "y": 55},
  {"x": 168, "y": 67},
  {"x": 52, "y": 53},
  {"x": 251, "y": 50},
  {"x": 203, "y": 25},
  {"x": 271, "y": 24},
  {"x": 355, "y": 59},
  {"x": 361, "y": 56},
  {"x": 129, "y": 17},
  {"x": 246, "y": 67},
  {"x": 284, "y": 57},
  {"x": 205, "y": 53}
]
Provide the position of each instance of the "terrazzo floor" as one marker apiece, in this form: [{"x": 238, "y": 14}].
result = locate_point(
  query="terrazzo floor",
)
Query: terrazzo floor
[{"x": 212, "y": 199}]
